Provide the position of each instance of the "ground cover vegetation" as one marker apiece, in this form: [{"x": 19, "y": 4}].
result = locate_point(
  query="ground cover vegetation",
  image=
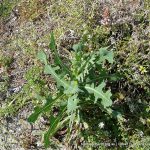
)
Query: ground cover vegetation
[{"x": 82, "y": 66}]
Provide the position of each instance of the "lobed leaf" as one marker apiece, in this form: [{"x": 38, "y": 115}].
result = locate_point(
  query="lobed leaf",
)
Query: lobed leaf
[
  {"x": 85, "y": 67},
  {"x": 71, "y": 109},
  {"x": 106, "y": 55},
  {"x": 72, "y": 104},
  {"x": 98, "y": 93},
  {"x": 49, "y": 70},
  {"x": 73, "y": 88},
  {"x": 42, "y": 57},
  {"x": 70, "y": 88}
]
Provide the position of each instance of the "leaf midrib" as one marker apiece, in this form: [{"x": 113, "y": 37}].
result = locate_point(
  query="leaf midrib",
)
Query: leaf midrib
[{"x": 95, "y": 91}]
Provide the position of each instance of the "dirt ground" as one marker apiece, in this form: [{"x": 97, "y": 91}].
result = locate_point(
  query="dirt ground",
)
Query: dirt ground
[{"x": 16, "y": 36}]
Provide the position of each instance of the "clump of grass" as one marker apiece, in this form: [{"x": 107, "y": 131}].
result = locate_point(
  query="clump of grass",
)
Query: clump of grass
[{"x": 6, "y": 7}]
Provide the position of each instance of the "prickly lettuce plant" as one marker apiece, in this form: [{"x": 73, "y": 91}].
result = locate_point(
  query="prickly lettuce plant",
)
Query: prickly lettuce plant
[{"x": 80, "y": 82}]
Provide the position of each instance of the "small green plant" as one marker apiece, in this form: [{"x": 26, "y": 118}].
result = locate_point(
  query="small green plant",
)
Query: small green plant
[
  {"x": 80, "y": 83},
  {"x": 6, "y": 7}
]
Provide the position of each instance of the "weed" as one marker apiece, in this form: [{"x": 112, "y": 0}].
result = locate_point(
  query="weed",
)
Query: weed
[{"x": 80, "y": 85}]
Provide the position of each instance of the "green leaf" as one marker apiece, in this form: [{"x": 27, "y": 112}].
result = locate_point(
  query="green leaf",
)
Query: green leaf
[
  {"x": 38, "y": 110},
  {"x": 57, "y": 59},
  {"x": 78, "y": 47},
  {"x": 117, "y": 115},
  {"x": 106, "y": 55},
  {"x": 115, "y": 77},
  {"x": 52, "y": 44},
  {"x": 73, "y": 88},
  {"x": 49, "y": 70},
  {"x": 33, "y": 117},
  {"x": 71, "y": 109},
  {"x": 72, "y": 118},
  {"x": 70, "y": 87},
  {"x": 42, "y": 57},
  {"x": 86, "y": 65},
  {"x": 55, "y": 123},
  {"x": 98, "y": 93},
  {"x": 72, "y": 104}
]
